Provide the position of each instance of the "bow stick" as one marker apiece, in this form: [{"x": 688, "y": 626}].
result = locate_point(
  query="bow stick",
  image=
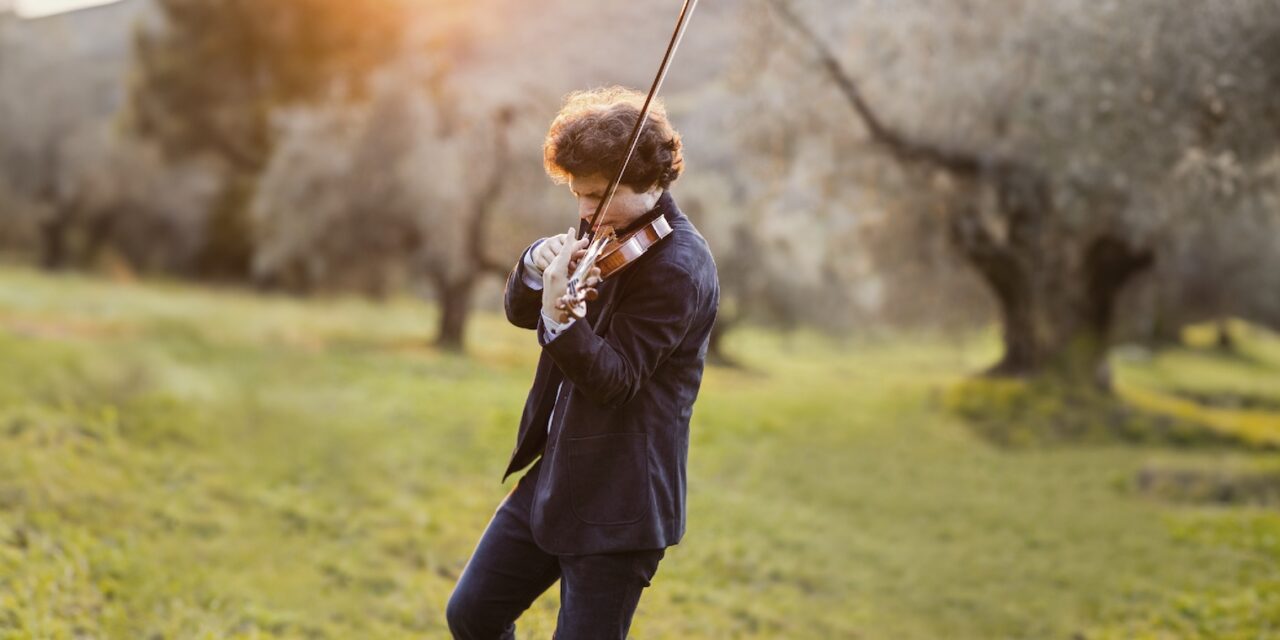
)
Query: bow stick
[{"x": 598, "y": 241}]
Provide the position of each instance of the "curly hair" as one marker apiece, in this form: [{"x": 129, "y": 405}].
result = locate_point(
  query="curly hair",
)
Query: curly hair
[{"x": 589, "y": 137}]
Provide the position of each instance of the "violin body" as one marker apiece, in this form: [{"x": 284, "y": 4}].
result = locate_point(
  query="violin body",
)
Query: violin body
[
  {"x": 619, "y": 253},
  {"x": 610, "y": 254}
]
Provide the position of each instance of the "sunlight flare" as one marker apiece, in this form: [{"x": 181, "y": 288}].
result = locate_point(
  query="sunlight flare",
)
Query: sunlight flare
[{"x": 42, "y": 8}]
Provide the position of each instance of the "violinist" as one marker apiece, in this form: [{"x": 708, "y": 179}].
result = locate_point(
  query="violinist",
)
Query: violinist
[{"x": 606, "y": 422}]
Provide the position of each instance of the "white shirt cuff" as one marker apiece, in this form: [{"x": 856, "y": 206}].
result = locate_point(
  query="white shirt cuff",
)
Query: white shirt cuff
[
  {"x": 532, "y": 276},
  {"x": 555, "y": 328}
]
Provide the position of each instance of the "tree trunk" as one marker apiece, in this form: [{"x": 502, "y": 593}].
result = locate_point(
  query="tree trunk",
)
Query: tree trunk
[
  {"x": 1057, "y": 321},
  {"x": 1165, "y": 333},
  {"x": 99, "y": 235},
  {"x": 454, "y": 298},
  {"x": 715, "y": 343},
  {"x": 1166, "y": 329},
  {"x": 1224, "y": 341},
  {"x": 53, "y": 242},
  {"x": 228, "y": 242}
]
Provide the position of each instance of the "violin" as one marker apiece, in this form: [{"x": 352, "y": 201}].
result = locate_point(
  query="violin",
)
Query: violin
[
  {"x": 610, "y": 253},
  {"x": 606, "y": 250},
  {"x": 619, "y": 253}
]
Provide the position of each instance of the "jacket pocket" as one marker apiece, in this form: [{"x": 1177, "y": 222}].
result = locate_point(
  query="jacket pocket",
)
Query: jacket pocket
[{"x": 609, "y": 477}]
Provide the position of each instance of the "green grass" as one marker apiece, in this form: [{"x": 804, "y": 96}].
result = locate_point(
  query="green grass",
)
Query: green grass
[{"x": 188, "y": 463}]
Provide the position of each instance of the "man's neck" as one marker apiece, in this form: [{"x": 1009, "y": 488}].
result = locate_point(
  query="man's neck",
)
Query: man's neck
[{"x": 661, "y": 207}]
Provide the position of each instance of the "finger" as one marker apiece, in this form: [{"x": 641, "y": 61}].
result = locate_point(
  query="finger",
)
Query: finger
[
  {"x": 561, "y": 259},
  {"x": 547, "y": 251},
  {"x": 561, "y": 246},
  {"x": 552, "y": 247},
  {"x": 559, "y": 264}
]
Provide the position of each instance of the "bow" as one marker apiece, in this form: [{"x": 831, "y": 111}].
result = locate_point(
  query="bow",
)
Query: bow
[{"x": 573, "y": 294}]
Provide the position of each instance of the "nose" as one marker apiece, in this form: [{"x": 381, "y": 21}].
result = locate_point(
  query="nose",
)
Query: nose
[{"x": 586, "y": 208}]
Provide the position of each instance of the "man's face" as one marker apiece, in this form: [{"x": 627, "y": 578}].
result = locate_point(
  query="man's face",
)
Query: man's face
[{"x": 626, "y": 206}]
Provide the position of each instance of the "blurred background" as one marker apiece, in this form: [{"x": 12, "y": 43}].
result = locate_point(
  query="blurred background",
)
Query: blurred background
[{"x": 996, "y": 354}]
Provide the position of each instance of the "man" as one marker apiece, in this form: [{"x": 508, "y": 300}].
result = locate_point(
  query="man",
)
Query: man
[{"x": 608, "y": 415}]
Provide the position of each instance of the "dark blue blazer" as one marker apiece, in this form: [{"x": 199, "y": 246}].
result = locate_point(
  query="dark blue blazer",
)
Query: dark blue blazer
[{"x": 613, "y": 470}]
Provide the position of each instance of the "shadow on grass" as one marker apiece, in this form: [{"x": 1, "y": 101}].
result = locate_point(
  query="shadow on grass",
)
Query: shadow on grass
[
  {"x": 1030, "y": 413},
  {"x": 1202, "y": 484},
  {"x": 1234, "y": 400},
  {"x": 1238, "y": 355}
]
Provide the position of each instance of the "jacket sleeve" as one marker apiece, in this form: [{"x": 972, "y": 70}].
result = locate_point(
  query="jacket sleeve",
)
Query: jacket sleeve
[
  {"x": 523, "y": 303},
  {"x": 644, "y": 329}
]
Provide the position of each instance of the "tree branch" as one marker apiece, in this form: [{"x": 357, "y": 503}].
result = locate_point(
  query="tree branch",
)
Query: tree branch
[
  {"x": 478, "y": 230},
  {"x": 954, "y": 160}
]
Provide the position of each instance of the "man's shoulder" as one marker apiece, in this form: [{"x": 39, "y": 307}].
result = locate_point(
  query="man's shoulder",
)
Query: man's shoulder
[
  {"x": 688, "y": 247},
  {"x": 682, "y": 254}
]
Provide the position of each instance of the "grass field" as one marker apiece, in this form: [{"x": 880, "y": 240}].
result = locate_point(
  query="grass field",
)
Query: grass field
[{"x": 188, "y": 463}]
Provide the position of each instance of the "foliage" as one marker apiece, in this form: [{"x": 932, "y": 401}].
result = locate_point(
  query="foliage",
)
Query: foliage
[
  {"x": 1056, "y": 170},
  {"x": 209, "y": 76}
]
